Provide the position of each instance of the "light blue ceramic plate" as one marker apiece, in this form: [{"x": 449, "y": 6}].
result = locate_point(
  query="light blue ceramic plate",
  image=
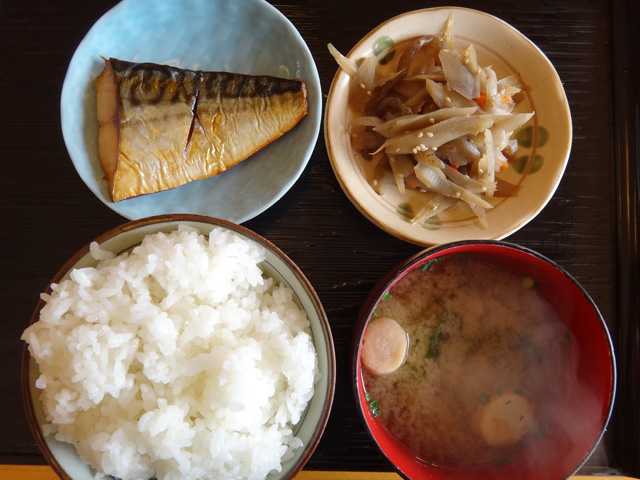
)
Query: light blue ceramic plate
[{"x": 241, "y": 36}]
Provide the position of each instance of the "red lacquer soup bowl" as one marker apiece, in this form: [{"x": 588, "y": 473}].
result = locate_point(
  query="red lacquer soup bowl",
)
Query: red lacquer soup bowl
[{"x": 564, "y": 428}]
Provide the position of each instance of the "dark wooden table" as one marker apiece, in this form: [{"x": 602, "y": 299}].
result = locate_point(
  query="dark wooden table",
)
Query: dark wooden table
[{"x": 590, "y": 226}]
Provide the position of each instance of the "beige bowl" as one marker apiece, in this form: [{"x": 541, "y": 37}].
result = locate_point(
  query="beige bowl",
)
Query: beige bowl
[{"x": 545, "y": 141}]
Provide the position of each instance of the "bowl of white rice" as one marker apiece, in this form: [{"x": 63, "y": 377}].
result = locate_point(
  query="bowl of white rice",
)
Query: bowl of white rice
[{"x": 178, "y": 347}]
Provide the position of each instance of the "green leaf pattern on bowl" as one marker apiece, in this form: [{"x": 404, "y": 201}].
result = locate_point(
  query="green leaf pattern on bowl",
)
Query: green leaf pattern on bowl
[
  {"x": 525, "y": 138},
  {"x": 432, "y": 223},
  {"x": 405, "y": 210},
  {"x": 521, "y": 164},
  {"x": 381, "y": 45}
]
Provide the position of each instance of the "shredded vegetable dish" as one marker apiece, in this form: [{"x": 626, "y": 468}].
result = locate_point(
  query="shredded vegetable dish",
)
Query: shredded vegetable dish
[{"x": 431, "y": 119}]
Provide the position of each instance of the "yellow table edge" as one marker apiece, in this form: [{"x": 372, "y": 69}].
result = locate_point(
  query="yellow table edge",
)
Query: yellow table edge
[{"x": 40, "y": 472}]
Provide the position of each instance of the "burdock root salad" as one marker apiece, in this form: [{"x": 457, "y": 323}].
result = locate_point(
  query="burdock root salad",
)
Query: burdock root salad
[{"x": 429, "y": 119}]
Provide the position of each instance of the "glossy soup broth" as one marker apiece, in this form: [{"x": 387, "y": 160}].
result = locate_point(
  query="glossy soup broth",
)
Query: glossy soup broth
[{"x": 477, "y": 334}]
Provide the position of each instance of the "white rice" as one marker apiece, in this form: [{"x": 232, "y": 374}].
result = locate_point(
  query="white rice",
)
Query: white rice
[{"x": 179, "y": 360}]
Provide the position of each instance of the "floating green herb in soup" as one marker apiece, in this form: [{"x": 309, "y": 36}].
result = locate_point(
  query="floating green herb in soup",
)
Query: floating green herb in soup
[{"x": 481, "y": 360}]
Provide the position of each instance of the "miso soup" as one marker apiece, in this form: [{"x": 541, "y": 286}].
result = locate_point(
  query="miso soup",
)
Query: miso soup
[{"x": 487, "y": 358}]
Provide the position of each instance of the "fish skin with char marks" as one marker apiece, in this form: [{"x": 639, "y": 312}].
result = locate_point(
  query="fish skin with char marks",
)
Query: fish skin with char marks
[{"x": 161, "y": 127}]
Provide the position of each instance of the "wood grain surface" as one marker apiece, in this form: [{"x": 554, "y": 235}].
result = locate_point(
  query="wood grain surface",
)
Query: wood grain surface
[
  {"x": 589, "y": 227},
  {"x": 34, "y": 472}
]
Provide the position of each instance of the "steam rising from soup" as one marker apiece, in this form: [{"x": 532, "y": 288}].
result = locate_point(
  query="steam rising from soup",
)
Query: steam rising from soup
[{"x": 487, "y": 359}]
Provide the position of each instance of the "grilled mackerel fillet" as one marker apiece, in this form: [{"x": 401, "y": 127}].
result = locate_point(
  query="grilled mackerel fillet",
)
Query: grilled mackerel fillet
[{"x": 161, "y": 127}]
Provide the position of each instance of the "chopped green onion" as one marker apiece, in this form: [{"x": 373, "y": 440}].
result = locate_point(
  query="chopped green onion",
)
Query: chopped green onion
[
  {"x": 567, "y": 338},
  {"x": 431, "y": 262},
  {"x": 540, "y": 431},
  {"x": 527, "y": 282},
  {"x": 375, "y": 408},
  {"x": 436, "y": 337},
  {"x": 503, "y": 461},
  {"x": 461, "y": 259},
  {"x": 434, "y": 343},
  {"x": 484, "y": 398}
]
